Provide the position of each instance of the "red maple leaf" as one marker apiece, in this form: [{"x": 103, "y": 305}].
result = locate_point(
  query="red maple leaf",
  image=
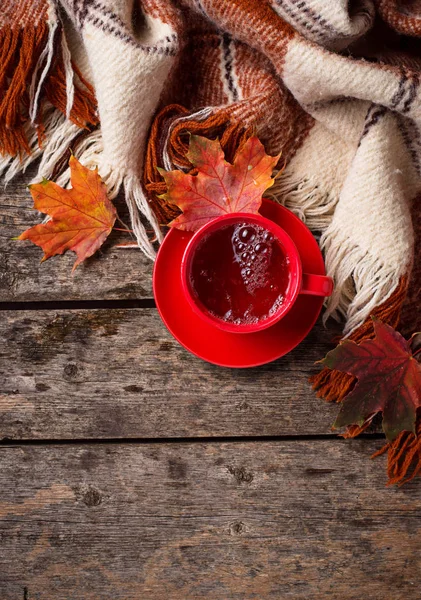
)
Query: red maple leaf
[
  {"x": 389, "y": 380},
  {"x": 219, "y": 187}
]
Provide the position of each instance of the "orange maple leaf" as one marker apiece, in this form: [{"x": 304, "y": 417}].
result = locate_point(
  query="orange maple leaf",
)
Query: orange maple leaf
[
  {"x": 219, "y": 187},
  {"x": 81, "y": 217}
]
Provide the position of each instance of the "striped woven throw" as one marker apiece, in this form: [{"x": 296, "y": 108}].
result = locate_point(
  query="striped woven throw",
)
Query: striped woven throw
[{"x": 332, "y": 84}]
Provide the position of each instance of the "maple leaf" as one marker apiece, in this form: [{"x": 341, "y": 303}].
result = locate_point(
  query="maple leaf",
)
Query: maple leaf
[
  {"x": 81, "y": 217},
  {"x": 219, "y": 187},
  {"x": 389, "y": 380}
]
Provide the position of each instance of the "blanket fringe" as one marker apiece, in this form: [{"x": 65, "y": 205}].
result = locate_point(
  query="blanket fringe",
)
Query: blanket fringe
[
  {"x": 59, "y": 141},
  {"x": 19, "y": 50},
  {"x": 305, "y": 198},
  {"x": 69, "y": 76},
  {"x": 35, "y": 67},
  {"x": 86, "y": 145},
  {"x": 43, "y": 66},
  {"x": 137, "y": 201},
  {"x": 68, "y": 90},
  {"x": 362, "y": 282},
  {"x": 403, "y": 456},
  {"x": 55, "y": 128}
]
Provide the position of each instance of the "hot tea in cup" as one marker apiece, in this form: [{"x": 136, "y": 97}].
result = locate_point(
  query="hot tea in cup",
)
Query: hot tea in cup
[{"x": 243, "y": 273}]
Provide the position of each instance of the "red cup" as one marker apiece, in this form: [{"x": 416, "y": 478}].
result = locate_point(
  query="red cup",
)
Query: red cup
[{"x": 299, "y": 282}]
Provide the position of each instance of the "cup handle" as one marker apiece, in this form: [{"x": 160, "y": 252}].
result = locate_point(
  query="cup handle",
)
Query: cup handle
[{"x": 316, "y": 285}]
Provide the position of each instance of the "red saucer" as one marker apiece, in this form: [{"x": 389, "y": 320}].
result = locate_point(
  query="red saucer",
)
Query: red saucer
[{"x": 236, "y": 349}]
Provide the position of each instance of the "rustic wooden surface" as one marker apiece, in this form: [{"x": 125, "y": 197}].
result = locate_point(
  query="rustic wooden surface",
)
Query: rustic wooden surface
[
  {"x": 131, "y": 470},
  {"x": 275, "y": 520},
  {"x": 118, "y": 373}
]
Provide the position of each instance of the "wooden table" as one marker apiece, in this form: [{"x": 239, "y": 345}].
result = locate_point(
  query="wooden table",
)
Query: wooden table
[{"x": 131, "y": 470}]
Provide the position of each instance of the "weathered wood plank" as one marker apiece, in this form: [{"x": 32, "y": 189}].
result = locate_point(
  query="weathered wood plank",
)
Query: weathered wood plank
[
  {"x": 244, "y": 521},
  {"x": 119, "y": 373},
  {"x": 111, "y": 274}
]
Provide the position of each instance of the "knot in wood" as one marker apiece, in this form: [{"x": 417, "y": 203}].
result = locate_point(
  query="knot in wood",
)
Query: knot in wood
[
  {"x": 70, "y": 370},
  {"x": 237, "y": 528},
  {"x": 90, "y": 496},
  {"x": 241, "y": 475}
]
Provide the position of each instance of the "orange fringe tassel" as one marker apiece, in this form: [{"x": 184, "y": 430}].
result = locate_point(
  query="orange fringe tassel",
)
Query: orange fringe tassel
[
  {"x": 20, "y": 49},
  {"x": 403, "y": 456},
  {"x": 231, "y": 135},
  {"x": 19, "y": 52}
]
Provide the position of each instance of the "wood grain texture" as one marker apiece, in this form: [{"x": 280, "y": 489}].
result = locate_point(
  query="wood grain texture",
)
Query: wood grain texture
[
  {"x": 111, "y": 274},
  {"x": 119, "y": 373},
  {"x": 246, "y": 521}
]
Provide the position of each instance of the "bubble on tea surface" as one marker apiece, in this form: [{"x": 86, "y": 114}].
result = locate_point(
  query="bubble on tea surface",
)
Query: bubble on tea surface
[
  {"x": 227, "y": 316},
  {"x": 247, "y": 233},
  {"x": 261, "y": 248},
  {"x": 249, "y": 318},
  {"x": 276, "y": 305}
]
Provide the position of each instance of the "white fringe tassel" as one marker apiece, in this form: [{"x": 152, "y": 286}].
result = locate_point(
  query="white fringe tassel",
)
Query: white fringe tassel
[
  {"x": 57, "y": 144},
  {"x": 362, "y": 282},
  {"x": 58, "y": 135},
  {"x": 47, "y": 56},
  {"x": 137, "y": 205},
  {"x": 136, "y": 202},
  {"x": 68, "y": 69},
  {"x": 305, "y": 199}
]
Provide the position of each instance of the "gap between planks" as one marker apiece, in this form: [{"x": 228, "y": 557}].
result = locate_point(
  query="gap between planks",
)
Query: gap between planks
[
  {"x": 78, "y": 304},
  {"x": 189, "y": 440}
]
